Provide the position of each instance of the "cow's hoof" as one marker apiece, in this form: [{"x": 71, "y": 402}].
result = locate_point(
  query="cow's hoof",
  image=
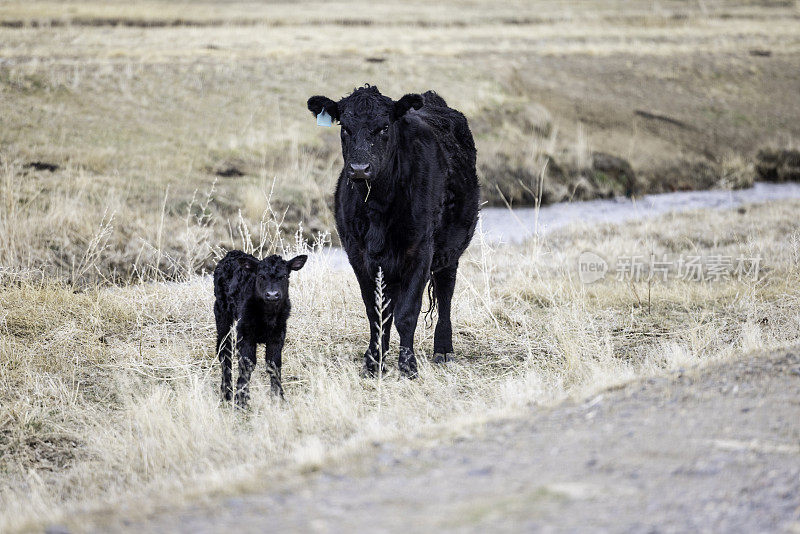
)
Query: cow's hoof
[
  {"x": 407, "y": 363},
  {"x": 443, "y": 357},
  {"x": 372, "y": 364}
]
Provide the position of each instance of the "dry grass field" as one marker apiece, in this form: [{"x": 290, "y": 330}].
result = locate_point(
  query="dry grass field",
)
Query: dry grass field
[
  {"x": 138, "y": 140},
  {"x": 109, "y": 396}
]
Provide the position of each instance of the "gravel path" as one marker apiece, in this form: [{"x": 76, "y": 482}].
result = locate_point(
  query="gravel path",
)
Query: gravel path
[{"x": 710, "y": 450}]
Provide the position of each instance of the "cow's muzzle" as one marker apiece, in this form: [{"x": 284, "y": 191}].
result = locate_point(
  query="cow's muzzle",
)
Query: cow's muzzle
[{"x": 359, "y": 171}]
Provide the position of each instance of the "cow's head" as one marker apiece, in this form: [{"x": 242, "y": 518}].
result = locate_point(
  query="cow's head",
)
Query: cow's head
[
  {"x": 369, "y": 123},
  {"x": 272, "y": 276}
]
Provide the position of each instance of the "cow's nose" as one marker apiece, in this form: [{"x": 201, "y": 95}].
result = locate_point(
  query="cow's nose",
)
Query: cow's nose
[
  {"x": 273, "y": 295},
  {"x": 360, "y": 171}
]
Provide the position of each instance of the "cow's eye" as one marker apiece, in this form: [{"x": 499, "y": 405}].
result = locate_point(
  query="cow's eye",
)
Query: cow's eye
[
  {"x": 384, "y": 130},
  {"x": 345, "y": 131}
]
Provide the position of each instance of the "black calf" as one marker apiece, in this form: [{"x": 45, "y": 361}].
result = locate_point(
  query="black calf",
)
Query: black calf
[{"x": 256, "y": 294}]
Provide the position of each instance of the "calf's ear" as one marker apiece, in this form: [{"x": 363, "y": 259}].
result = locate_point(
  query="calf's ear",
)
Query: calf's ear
[
  {"x": 248, "y": 264},
  {"x": 318, "y": 103},
  {"x": 296, "y": 263},
  {"x": 411, "y": 100}
]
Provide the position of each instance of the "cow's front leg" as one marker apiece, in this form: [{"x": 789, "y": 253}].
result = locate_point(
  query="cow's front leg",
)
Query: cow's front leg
[
  {"x": 274, "y": 350},
  {"x": 247, "y": 362},
  {"x": 389, "y": 299},
  {"x": 372, "y": 363},
  {"x": 409, "y": 303}
]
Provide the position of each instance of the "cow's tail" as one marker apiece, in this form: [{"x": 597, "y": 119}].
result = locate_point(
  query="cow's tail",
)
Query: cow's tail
[{"x": 431, "y": 303}]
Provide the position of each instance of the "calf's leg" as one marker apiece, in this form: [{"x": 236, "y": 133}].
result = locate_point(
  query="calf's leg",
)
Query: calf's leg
[
  {"x": 444, "y": 282},
  {"x": 247, "y": 362},
  {"x": 274, "y": 350},
  {"x": 224, "y": 353}
]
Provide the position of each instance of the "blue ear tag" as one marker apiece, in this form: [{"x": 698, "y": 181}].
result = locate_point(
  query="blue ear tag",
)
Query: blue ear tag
[{"x": 323, "y": 119}]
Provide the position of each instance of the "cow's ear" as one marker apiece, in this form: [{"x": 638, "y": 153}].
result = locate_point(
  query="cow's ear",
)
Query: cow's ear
[
  {"x": 248, "y": 264},
  {"x": 318, "y": 103},
  {"x": 296, "y": 263},
  {"x": 411, "y": 100}
]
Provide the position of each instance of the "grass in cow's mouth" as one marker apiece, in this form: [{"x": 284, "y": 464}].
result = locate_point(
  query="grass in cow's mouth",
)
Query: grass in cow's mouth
[{"x": 111, "y": 393}]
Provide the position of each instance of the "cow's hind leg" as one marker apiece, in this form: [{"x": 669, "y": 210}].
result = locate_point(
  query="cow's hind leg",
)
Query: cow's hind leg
[
  {"x": 224, "y": 353},
  {"x": 444, "y": 283}
]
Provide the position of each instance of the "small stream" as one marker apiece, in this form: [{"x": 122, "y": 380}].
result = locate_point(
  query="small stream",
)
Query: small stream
[
  {"x": 501, "y": 225},
  {"x": 517, "y": 225}
]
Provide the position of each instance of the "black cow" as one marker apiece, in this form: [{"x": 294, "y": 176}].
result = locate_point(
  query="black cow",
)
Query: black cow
[
  {"x": 407, "y": 201},
  {"x": 256, "y": 294}
]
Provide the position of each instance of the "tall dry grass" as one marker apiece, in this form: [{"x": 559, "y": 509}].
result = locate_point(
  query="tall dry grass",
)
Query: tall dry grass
[{"x": 109, "y": 396}]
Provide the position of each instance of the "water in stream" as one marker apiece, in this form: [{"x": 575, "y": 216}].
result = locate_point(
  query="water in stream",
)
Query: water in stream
[{"x": 519, "y": 224}]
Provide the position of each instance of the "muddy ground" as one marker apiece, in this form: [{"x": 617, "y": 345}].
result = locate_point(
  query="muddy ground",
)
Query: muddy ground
[{"x": 715, "y": 449}]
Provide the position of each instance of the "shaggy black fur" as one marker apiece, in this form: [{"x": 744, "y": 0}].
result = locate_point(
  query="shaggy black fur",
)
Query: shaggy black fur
[
  {"x": 256, "y": 294},
  {"x": 407, "y": 200}
]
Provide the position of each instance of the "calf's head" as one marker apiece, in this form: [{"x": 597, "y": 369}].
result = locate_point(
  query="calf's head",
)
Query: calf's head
[
  {"x": 272, "y": 276},
  {"x": 370, "y": 123}
]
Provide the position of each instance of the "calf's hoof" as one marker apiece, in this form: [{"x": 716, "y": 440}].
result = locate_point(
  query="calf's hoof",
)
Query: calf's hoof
[
  {"x": 372, "y": 364},
  {"x": 241, "y": 399},
  {"x": 275, "y": 380},
  {"x": 277, "y": 389},
  {"x": 407, "y": 363},
  {"x": 443, "y": 357}
]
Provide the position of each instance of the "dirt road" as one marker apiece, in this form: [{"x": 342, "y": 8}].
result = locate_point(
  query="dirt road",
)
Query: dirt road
[{"x": 709, "y": 450}]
